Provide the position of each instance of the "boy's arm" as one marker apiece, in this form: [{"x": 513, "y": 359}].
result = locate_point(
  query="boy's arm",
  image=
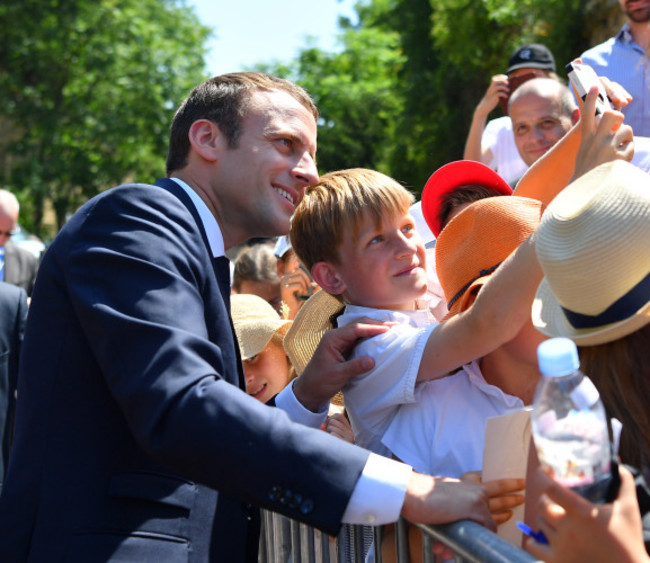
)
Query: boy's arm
[{"x": 496, "y": 317}]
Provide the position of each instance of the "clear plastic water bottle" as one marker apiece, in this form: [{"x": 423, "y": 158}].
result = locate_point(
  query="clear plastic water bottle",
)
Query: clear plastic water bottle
[{"x": 569, "y": 423}]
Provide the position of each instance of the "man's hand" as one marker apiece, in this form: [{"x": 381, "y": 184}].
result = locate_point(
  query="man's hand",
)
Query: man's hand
[
  {"x": 504, "y": 494},
  {"x": 439, "y": 500},
  {"x": 497, "y": 89},
  {"x": 329, "y": 370}
]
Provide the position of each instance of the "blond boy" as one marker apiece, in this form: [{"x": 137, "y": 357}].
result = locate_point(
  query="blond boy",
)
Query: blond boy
[{"x": 353, "y": 231}]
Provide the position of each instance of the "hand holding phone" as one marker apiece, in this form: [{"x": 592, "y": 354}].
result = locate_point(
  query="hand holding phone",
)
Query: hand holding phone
[{"x": 583, "y": 78}]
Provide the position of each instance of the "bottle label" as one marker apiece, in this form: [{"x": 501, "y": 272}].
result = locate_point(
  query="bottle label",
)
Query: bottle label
[{"x": 585, "y": 394}]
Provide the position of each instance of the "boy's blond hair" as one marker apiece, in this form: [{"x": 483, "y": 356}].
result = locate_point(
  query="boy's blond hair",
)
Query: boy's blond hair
[{"x": 330, "y": 211}]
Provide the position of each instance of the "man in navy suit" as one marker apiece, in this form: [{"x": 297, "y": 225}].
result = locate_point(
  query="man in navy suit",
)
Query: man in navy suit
[
  {"x": 13, "y": 316},
  {"x": 134, "y": 440}
]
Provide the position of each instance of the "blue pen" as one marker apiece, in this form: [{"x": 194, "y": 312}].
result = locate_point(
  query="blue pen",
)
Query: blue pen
[{"x": 539, "y": 537}]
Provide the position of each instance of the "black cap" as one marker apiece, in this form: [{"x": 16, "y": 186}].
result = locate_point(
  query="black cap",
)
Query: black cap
[{"x": 533, "y": 55}]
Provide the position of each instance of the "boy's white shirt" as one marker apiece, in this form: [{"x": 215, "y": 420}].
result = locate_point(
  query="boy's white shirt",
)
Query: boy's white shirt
[
  {"x": 372, "y": 399},
  {"x": 443, "y": 432}
]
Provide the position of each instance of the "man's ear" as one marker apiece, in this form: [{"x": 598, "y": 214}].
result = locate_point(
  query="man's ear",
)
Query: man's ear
[
  {"x": 206, "y": 139},
  {"x": 325, "y": 275}
]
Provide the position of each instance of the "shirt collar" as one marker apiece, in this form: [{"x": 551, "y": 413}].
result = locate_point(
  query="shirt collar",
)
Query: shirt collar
[{"x": 212, "y": 230}]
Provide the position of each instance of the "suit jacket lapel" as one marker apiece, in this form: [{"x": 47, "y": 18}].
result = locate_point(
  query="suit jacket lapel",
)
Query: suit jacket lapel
[{"x": 220, "y": 264}]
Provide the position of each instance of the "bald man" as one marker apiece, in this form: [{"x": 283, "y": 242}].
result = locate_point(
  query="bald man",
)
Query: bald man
[
  {"x": 17, "y": 266},
  {"x": 542, "y": 111}
]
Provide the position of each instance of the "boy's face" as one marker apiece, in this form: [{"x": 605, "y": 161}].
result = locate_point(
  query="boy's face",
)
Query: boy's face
[{"x": 386, "y": 267}]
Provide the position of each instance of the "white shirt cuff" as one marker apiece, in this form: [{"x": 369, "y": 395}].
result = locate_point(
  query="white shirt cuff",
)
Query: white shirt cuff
[
  {"x": 379, "y": 493},
  {"x": 287, "y": 401}
]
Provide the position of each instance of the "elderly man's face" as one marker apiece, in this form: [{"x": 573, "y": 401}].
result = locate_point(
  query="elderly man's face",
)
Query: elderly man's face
[
  {"x": 537, "y": 123},
  {"x": 7, "y": 225}
]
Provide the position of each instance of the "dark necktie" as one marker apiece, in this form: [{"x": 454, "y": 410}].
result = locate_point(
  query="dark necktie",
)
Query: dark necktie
[{"x": 222, "y": 270}]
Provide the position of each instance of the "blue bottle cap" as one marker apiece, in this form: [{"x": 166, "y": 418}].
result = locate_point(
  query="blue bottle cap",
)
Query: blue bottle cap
[{"x": 557, "y": 357}]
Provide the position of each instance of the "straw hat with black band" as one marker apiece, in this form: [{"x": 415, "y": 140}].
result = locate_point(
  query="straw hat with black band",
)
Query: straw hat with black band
[{"x": 592, "y": 245}]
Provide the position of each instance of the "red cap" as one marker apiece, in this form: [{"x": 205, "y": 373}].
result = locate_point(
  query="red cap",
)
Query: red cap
[{"x": 454, "y": 175}]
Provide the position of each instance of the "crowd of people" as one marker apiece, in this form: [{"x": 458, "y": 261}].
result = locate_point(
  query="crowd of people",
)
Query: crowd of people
[{"x": 342, "y": 367}]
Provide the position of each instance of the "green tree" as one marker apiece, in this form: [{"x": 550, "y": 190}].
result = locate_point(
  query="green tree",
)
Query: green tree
[
  {"x": 354, "y": 91},
  {"x": 87, "y": 91}
]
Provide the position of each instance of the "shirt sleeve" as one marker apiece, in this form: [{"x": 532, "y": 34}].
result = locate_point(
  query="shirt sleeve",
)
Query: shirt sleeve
[
  {"x": 287, "y": 401},
  {"x": 373, "y": 398},
  {"x": 379, "y": 493}
]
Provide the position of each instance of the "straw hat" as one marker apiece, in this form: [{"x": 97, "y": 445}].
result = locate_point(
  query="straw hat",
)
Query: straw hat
[
  {"x": 255, "y": 322},
  {"x": 593, "y": 245},
  {"x": 477, "y": 240},
  {"x": 454, "y": 175},
  {"x": 312, "y": 321}
]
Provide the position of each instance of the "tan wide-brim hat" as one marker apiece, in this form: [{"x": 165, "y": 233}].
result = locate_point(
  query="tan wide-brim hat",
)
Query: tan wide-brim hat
[
  {"x": 475, "y": 242},
  {"x": 593, "y": 246},
  {"x": 312, "y": 321},
  {"x": 255, "y": 322}
]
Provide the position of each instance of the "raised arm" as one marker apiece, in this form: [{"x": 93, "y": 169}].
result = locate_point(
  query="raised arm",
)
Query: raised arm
[{"x": 498, "y": 88}]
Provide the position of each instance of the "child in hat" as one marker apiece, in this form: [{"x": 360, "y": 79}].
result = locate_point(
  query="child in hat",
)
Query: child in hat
[{"x": 260, "y": 331}]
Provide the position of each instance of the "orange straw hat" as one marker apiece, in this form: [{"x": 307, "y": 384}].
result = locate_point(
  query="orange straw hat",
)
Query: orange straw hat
[
  {"x": 592, "y": 245},
  {"x": 454, "y": 175},
  {"x": 477, "y": 240}
]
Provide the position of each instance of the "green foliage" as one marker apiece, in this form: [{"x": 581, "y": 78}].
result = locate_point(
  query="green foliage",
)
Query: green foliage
[
  {"x": 353, "y": 90},
  {"x": 88, "y": 89}
]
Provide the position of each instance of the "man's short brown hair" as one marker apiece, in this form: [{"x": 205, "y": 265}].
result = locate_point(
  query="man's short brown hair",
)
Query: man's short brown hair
[
  {"x": 224, "y": 100},
  {"x": 331, "y": 211}
]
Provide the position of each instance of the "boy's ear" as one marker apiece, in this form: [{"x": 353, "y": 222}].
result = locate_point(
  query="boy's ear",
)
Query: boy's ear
[{"x": 327, "y": 277}]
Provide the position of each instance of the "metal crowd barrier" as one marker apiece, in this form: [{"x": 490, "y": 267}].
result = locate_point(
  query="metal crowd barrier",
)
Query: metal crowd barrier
[{"x": 287, "y": 541}]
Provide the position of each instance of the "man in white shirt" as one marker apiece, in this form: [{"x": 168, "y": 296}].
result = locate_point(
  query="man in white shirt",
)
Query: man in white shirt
[{"x": 493, "y": 144}]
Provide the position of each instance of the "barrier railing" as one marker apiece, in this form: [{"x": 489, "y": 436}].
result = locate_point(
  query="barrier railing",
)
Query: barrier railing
[{"x": 287, "y": 541}]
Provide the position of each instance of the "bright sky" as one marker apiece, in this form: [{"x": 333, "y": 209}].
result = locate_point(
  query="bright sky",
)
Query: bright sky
[{"x": 247, "y": 32}]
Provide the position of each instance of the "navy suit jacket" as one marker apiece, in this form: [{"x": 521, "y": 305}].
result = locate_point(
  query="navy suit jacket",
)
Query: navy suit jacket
[
  {"x": 134, "y": 441},
  {"x": 13, "y": 316}
]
